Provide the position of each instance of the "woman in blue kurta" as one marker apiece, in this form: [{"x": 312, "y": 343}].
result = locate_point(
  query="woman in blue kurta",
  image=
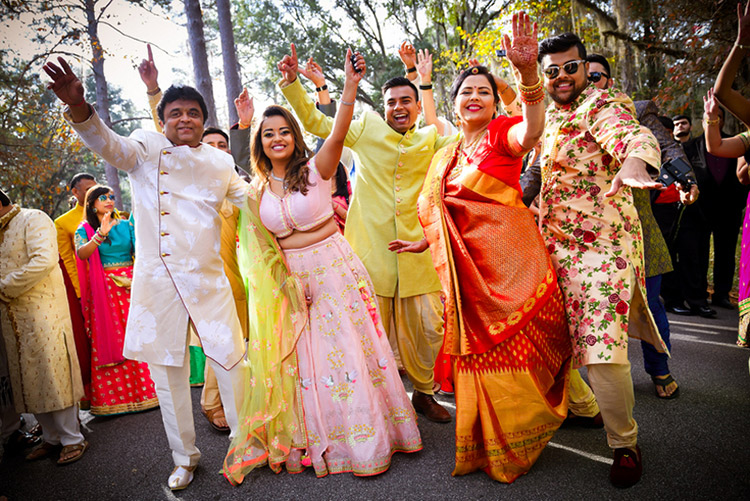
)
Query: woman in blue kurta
[{"x": 104, "y": 255}]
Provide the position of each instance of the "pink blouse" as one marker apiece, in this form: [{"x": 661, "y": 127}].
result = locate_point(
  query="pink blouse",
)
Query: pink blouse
[{"x": 295, "y": 211}]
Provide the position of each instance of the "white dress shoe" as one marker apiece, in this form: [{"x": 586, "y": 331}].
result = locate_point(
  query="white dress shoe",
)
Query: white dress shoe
[{"x": 181, "y": 477}]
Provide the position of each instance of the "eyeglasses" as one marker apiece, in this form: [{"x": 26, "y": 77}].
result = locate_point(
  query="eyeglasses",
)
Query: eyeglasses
[
  {"x": 571, "y": 68},
  {"x": 595, "y": 76},
  {"x": 104, "y": 198}
]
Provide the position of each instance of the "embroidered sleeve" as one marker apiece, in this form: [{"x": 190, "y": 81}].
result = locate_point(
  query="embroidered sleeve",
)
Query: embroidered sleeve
[
  {"x": 80, "y": 238},
  {"x": 611, "y": 120}
]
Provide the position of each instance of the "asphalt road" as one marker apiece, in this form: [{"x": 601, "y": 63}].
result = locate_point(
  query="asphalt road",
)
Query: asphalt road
[{"x": 694, "y": 447}]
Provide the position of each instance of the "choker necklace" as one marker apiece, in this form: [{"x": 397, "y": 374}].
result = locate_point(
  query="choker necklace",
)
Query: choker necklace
[{"x": 279, "y": 179}]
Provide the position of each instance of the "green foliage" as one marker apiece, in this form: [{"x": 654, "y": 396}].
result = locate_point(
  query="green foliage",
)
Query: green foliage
[{"x": 40, "y": 152}]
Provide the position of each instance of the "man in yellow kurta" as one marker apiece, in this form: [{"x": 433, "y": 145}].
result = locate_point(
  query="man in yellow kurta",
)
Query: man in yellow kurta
[
  {"x": 67, "y": 224},
  {"x": 595, "y": 152},
  {"x": 36, "y": 331},
  {"x": 394, "y": 158}
]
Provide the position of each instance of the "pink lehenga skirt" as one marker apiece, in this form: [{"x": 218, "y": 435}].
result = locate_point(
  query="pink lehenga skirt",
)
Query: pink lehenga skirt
[{"x": 356, "y": 411}]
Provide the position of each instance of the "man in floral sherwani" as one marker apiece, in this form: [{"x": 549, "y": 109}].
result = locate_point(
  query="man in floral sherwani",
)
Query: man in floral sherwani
[
  {"x": 178, "y": 185},
  {"x": 594, "y": 152}
]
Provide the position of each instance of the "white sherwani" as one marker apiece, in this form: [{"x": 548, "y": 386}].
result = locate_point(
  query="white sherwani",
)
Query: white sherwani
[{"x": 177, "y": 193}]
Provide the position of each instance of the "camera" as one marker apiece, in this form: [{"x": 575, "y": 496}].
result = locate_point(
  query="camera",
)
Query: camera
[
  {"x": 500, "y": 53},
  {"x": 676, "y": 171}
]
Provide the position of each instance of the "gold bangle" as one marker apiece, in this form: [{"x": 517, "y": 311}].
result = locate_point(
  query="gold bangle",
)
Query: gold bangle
[
  {"x": 153, "y": 92},
  {"x": 531, "y": 88},
  {"x": 707, "y": 121}
]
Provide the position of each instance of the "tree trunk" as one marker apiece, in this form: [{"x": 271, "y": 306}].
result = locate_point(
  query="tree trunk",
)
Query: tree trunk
[
  {"x": 625, "y": 55},
  {"x": 229, "y": 56},
  {"x": 102, "y": 97},
  {"x": 200, "y": 57}
]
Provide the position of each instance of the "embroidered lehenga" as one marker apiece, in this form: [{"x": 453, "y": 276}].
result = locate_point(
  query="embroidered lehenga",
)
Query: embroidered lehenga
[
  {"x": 118, "y": 385},
  {"x": 505, "y": 323},
  {"x": 324, "y": 385}
]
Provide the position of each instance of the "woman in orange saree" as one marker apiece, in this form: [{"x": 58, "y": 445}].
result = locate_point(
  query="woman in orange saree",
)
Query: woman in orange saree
[{"x": 505, "y": 322}]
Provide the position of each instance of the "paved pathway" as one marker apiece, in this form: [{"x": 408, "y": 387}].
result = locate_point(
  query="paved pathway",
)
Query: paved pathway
[{"x": 694, "y": 447}]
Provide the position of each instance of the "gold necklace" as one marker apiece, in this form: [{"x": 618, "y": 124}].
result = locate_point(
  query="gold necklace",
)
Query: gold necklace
[{"x": 465, "y": 153}]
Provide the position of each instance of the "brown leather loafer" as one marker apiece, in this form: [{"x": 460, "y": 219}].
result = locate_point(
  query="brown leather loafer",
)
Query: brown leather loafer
[
  {"x": 627, "y": 468},
  {"x": 427, "y": 406}
]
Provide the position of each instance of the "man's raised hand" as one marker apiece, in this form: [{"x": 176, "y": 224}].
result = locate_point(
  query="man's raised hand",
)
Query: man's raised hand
[
  {"x": 289, "y": 66},
  {"x": 149, "y": 73},
  {"x": 245, "y": 109},
  {"x": 66, "y": 86}
]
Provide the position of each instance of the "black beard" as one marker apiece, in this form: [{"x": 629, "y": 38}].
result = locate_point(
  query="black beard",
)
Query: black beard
[
  {"x": 683, "y": 133},
  {"x": 576, "y": 92}
]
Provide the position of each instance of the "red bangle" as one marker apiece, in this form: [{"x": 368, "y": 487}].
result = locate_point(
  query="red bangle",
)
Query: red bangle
[{"x": 83, "y": 101}]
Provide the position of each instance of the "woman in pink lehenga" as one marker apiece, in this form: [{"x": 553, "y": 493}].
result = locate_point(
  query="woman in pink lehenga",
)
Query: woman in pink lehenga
[{"x": 324, "y": 389}]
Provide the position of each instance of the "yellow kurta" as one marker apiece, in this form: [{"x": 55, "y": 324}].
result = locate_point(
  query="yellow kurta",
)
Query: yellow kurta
[
  {"x": 384, "y": 206},
  {"x": 66, "y": 226},
  {"x": 34, "y": 317}
]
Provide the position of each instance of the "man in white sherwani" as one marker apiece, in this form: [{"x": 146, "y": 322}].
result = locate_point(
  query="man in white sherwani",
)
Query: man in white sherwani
[{"x": 178, "y": 185}]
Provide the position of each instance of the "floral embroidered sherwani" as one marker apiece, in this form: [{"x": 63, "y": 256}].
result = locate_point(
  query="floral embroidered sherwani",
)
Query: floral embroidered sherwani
[
  {"x": 596, "y": 242},
  {"x": 178, "y": 274}
]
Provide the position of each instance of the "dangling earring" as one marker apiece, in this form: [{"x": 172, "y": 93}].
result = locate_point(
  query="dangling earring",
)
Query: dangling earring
[{"x": 94, "y": 210}]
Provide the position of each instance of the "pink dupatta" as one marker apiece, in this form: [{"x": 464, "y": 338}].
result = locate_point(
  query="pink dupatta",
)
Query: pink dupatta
[{"x": 96, "y": 309}]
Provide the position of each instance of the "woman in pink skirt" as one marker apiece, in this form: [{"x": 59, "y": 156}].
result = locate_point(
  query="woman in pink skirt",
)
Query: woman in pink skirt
[{"x": 324, "y": 389}]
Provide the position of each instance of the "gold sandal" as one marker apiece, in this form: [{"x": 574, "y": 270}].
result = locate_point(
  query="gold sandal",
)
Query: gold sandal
[{"x": 79, "y": 448}]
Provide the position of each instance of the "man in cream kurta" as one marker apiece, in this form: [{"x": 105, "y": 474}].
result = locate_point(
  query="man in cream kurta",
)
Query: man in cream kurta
[
  {"x": 35, "y": 328},
  {"x": 394, "y": 157},
  {"x": 178, "y": 186},
  {"x": 210, "y": 395},
  {"x": 595, "y": 153}
]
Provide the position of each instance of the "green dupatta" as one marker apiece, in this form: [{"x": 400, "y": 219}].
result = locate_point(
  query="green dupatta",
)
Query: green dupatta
[{"x": 271, "y": 414}]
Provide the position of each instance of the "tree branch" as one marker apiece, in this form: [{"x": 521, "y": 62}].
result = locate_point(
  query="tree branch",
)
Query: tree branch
[
  {"x": 645, "y": 46},
  {"x": 603, "y": 17},
  {"x": 105, "y": 23}
]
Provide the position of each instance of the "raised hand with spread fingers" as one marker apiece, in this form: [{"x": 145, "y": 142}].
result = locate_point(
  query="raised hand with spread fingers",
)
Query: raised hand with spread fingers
[{"x": 68, "y": 88}]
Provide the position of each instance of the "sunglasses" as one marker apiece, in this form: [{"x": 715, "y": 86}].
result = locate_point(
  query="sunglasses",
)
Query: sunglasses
[
  {"x": 104, "y": 198},
  {"x": 595, "y": 76},
  {"x": 571, "y": 68}
]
